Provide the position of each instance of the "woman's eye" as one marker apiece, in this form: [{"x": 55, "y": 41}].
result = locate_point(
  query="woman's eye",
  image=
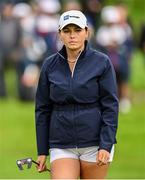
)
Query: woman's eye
[
  {"x": 69, "y": 31},
  {"x": 65, "y": 31},
  {"x": 78, "y": 30}
]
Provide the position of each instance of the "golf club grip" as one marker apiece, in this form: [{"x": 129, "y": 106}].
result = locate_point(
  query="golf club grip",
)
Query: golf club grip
[{"x": 38, "y": 165}]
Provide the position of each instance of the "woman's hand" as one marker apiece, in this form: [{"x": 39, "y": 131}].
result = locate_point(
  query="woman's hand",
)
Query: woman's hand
[
  {"x": 102, "y": 157},
  {"x": 42, "y": 163}
]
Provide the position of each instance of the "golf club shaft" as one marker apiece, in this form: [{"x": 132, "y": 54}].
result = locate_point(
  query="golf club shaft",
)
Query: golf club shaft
[{"x": 38, "y": 165}]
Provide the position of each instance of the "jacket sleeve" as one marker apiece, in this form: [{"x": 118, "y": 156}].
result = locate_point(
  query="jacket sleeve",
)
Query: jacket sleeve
[
  {"x": 109, "y": 107},
  {"x": 43, "y": 108}
]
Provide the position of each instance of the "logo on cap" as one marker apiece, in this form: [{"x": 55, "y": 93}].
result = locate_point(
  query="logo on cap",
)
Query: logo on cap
[{"x": 68, "y": 16}]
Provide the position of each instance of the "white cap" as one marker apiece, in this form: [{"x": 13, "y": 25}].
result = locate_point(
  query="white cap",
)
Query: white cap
[
  {"x": 110, "y": 14},
  {"x": 49, "y": 6},
  {"x": 22, "y": 10},
  {"x": 73, "y": 17}
]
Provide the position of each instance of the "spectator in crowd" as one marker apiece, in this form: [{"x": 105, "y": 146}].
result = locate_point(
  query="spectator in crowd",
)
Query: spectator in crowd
[
  {"x": 114, "y": 37},
  {"x": 10, "y": 41},
  {"x": 127, "y": 51},
  {"x": 92, "y": 10},
  {"x": 71, "y": 5},
  {"x": 33, "y": 49},
  {"x": 47, "y": 23}
]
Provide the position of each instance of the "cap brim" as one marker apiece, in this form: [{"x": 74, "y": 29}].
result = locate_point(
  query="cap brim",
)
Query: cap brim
[{"x": 78, "y": 23}]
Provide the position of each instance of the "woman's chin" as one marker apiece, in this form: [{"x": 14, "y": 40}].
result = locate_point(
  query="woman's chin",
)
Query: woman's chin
[{"x": 73, "y": 47}]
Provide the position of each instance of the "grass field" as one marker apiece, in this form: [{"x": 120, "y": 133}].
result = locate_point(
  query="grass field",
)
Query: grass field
[{"x": 17, "y": 132}]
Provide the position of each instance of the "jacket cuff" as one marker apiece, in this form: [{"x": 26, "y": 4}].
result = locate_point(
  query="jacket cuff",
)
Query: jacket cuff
[
  {"x": 43, "y": 153},
  {"x": 106, "y": 147}
]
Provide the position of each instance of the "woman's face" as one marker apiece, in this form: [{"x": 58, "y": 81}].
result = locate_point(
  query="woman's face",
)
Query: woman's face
[{"x": 73, "y": 37}]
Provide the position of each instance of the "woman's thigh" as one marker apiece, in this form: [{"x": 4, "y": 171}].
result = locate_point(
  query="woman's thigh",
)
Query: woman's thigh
[
  {"x": 90, "y": 170},
  {"x": 65, "y": 168}
]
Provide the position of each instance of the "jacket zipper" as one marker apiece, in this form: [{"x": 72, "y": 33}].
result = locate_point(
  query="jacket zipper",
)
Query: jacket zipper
[
  {"x": 75, "y": 122},
  {"x": 71, "y": 81},
  {"x": 72, "y": 74}
]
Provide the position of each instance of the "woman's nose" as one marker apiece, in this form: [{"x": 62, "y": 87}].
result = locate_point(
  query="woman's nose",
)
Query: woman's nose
[{"x": 72, "y": 34}]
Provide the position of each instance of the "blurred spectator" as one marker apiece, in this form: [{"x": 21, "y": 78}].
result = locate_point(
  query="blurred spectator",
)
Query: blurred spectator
[
  {"x": 114, "y": 37},
  {"x": 92, "y": 10},
  {"x": 71, "y": 5},
  {"x": 127, "y": 50},
  {"x": 127, "y": 26},
  {"x": 34, "y": 48},
  {"x": 10, "y": 41},
  {"x": 47, "y": 23}
]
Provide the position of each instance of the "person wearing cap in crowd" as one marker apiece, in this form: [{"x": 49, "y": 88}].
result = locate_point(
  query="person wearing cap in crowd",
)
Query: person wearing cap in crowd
[
  {"x": 76, "y": 106},
  {"x": 114, "y": 37}
]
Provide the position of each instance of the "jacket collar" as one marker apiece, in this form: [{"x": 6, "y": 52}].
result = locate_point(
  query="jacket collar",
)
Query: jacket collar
[{"x": 62, "y": 53}]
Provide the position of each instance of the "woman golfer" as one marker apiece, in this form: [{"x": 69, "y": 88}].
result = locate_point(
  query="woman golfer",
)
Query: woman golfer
[{"x": 76, "y": 106}]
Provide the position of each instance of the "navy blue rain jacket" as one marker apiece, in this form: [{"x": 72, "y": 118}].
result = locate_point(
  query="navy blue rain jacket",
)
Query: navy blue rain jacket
[{"x": 78, "y": 109}]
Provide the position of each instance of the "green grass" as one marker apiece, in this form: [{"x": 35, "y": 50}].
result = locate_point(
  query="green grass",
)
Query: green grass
[
  {"x": 17, "y": 132},
  {"x": 17, "y": 138},
  {"x": 129, "y": 161},
  {"x": 137, "y": 80}
]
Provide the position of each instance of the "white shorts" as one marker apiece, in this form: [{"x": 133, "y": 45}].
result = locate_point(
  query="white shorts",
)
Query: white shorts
[{"x": 86, "y": 154}]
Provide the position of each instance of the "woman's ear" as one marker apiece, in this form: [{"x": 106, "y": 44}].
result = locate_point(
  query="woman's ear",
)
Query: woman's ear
[
  {"x": 87, "y": 34},
  {"x": 90, "y": 33}
]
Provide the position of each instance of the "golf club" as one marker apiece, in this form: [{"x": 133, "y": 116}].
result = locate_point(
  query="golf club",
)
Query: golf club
[{"x": 28, "y": 162}]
